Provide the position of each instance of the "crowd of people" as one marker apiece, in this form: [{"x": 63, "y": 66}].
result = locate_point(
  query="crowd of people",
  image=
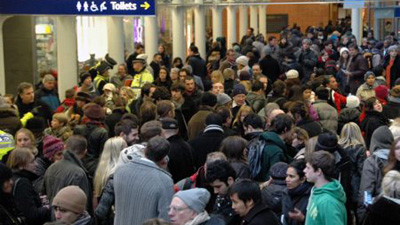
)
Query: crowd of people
[{"x": 298, "y": 129}]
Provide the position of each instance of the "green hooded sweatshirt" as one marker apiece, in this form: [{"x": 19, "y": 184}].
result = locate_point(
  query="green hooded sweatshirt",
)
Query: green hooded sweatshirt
[{"x": 326, "y": 205}]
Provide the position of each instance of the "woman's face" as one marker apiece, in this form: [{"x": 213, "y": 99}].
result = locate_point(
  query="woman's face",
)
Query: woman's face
[
  {"x": 243, "y": 115},
  {"x": 7, "y": 186},
  {"x": 161, "y": 49},
  {"x": 393, "y": 53},
  {"x": 293, "y": 179},
  {"x": 307, "y": 94},
  {"x": 163, "y": 74},
  {"x": 88, "y": 81},
  {"x": 124, "y": 95},
  {"x": 370, "y": 80},
  {"x": 23, "y": 140},
  {"x": 345, "y": 54},
  {"x": 378, "y": 106},
  {"x": 214, "y": 79},
  {"x": 397, "y": 151}
]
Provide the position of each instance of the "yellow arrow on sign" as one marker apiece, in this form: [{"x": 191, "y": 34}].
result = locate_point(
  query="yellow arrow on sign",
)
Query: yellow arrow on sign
[{"x": 146, "y": 5}]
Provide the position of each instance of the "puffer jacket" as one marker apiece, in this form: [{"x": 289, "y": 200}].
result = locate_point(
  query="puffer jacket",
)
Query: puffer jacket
[
  {"x": 327, "y": 114},
  {"x": 50, "y": 97},
  {"x": 9, "y": 120},
  {"x": 273, "y": 194}
]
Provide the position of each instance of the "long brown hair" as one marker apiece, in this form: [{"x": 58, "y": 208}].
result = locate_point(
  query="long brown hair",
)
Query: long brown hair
[{"x": 392, "y": 158}]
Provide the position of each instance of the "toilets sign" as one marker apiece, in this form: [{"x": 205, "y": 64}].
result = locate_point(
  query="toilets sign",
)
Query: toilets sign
[{"x": 79, "y": 7}]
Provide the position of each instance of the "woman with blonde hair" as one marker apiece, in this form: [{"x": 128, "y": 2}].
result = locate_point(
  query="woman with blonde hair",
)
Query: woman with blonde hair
[
  {"x": 107, "y": 163},
  {"x": 27, "y": 200},
  {"x": 129, "y": 95},
  {"x": 217, "y": 77},
  {"x": 353, "y": 144},
  {"x": 24, "y": 138},
  {"x": 237, "y": 124}
]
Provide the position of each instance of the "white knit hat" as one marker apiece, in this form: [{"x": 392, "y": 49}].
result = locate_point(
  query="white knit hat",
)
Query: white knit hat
[
  {"x": 242, "y": 60},
  {"x": 344, "y": 49},
  {"x": 110, "y": 87},
  {"x": 292, "y": 74},
  {"x": 352, "y": 101}
]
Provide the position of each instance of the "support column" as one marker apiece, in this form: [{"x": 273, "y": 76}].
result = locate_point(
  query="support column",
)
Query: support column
[
  {"x": 178, "y": 30},
  {"x": 262, "y": 20},
  {"x": 2, "y": 67},
  {"x": 231, "y": 17},
  {"x": 150, "y": 37},
  {"x": 67, "y": 56},
  {"x": 356, "y": 24},
  {"x": 200, "y": 28},
  {"x": 116, "y": 40},
  {"x": 376, "y": 28},
  {"x": 254, "y": 18},
  {"x": 243, "y": 21},
  {"x": 217, "y": 22}
]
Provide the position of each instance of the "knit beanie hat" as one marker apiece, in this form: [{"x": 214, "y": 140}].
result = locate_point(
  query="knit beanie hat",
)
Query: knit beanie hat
[
  {"x": 223, "y": 98},
  {"x": 244, "y": 75},
  {"x": 195, "y": 199},
  {"x": 344, "y": 49},
  {"x": 51, "y": 146},
  {"x": 94, "y": 112},
  {"x": 278, "y": 171},
  {"x": 395, "y": 92},
  {"x": 110, "y": 87},
  {"x": 352, "y": 101},
  {"x": 382, "y": 92},
  {"x": 239, "y": 89},
  {"x": 368, "y": 74},
  {"x": 83, "y": 77},
  {"x": 327, "y": 141},
  {"x": 242, "y": 60},
  {"x": 292, "y": 74},
  {"x": 71, "y": 198}
]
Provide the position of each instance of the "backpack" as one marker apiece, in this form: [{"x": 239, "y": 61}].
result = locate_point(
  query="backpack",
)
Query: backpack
[{"x": 256, "y": 150}]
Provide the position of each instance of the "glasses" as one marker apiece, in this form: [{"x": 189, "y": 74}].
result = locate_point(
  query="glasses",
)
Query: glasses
[{"x": 176, "y": 209}]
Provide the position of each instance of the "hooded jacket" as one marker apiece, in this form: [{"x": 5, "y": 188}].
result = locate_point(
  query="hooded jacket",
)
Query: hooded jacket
[
  {"x": 327, "y": 114},
  {"x": 274, "y": 152},
  {"x": 384, "y": 211},
  {"x": 372, "y": 173},
  {"x": 327, "y": 205},
  {"x": 371, "y": 122}
]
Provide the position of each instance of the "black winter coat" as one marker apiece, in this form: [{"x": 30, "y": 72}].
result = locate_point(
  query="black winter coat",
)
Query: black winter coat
[
  {"x": 181, "y": 160},
  {"x": 260, "y": 215},
  {"x": 104, "y": 212},
  {"x": 96, "y": 137},
  {"x": 273, "y": 194},
  {"x": 113, "y": 119},
  {"x": 392, "y": 109},
  {"x": 198, "y": 65},
  {"x": 9, "y": 120},
  {"x": 295, "y": 198},
  {"x": 205, "y": 143},
  {"x": 371, "y": 122},
  {"x": 38, "y": 108},
  {"x": 394, "y": 71},
  {"x": 27, "y": 200},
  {"x": 383, "y": 211},
  {"x": 270, "y": 67},
  {"x": 313, "y": 128}
]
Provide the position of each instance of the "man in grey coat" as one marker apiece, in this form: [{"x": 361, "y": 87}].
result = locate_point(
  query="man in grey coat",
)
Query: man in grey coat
[{"x": 143, "y": 189}]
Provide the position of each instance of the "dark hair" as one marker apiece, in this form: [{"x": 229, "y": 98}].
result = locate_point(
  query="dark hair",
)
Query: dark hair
[
  {"x": 353, "y": 46},
  {"x": 130, "y": 116},
  {"x": 224, "y": 112},
  {"x": 150, "y": 129},
  {"x": 22, "y": 86},
  {"x": 300, "y": 109},
  {"x": 369, "y": 103},
  {"x": 214, "y": 118},
  {"x": 76, "y": 144},
  {"x": 164, "y": 107},
  {"x": 5, "y": 175},
  {"x": 270, "y": 38},
  {"x": 157, "y": 148},
  {"x": 295, "y": 93},
  {"x": 194, "y": 49},
  {"x": 148, "y": 112},
  {"x": 246, "y": 190},
  {"x": 146, "y": 89},
  {"x": 125, "y": 126},
  {"x": 233, "y": 147},
  {"x": 138, "y": 46},
  {"x": 161, "y": 93},
  {"x": 299, "y": 165},
  {"x": 157, "y": 54},
  {"x": 187, "y": 72},
  {"x": 323, "y": 160},
  {"x": 322, "y": 93},
  {"x": 257, "y": 85},
  {"x": 208, "y": 99},
  {"x": 220, "y": 170},
  {"x": 178, "y": 87},
  {"x": 282, "y": 123},
  {"x": 278, "y": 87},
  {"x": 253, "y": 120}
]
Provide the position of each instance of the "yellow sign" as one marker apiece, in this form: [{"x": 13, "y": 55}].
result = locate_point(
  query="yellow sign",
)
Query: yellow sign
[{"x": 146, "y": 5}]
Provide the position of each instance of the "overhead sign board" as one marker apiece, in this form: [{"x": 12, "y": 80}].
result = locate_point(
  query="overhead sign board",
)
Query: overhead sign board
[
  {"x": 79, "y": 7},
  {"x": 354, "y": 4}
]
